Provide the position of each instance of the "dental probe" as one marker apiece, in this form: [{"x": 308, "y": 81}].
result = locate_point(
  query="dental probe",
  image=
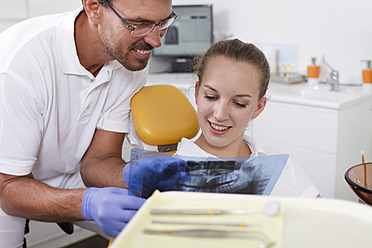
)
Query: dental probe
[
  {"x": 207, "y": 233},
  {"x": 208, "y": 223},
  {"x": 271, "y": 209}
]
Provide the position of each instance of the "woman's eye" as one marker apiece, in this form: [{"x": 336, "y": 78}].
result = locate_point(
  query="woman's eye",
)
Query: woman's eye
[
  {"x": 210, "y": 98},
  {"x": 240, "y": 105}
]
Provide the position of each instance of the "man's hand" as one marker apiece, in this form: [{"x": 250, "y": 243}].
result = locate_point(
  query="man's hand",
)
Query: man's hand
[
  {"x": 111, "y": 208},
  {"x": 146, "y": 175}
]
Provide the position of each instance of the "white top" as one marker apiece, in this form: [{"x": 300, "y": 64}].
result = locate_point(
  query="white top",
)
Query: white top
[
  {"x": 50, "y": 105},
  {"x": 293, "y": 180}
]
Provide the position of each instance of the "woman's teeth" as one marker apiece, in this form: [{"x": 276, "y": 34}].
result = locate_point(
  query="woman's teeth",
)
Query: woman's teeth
[
  {"x": 219, "y": 128},
  {"x": 143, "y": 51}
]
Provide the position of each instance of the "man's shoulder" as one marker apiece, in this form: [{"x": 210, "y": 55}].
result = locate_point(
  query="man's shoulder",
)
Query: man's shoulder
[{"x": 30, "y": 36}]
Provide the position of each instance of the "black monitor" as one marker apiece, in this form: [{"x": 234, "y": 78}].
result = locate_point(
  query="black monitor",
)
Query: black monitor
[{"x": 189, "y": 35}]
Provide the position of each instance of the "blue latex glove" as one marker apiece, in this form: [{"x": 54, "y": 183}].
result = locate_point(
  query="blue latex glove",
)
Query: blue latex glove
[
  {"x": 111, "y": 208},
  {"x": 164, "y": 173}
]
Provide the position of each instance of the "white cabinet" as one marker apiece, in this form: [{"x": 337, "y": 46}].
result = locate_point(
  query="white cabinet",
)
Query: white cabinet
[
  {"x": 307, "y": 133},
  {"x": 325, "y": 135},
  {"x": 45, "y": 235}
]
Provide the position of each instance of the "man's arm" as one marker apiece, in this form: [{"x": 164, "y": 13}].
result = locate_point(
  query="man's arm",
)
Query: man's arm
[
  {"x": 102, "y": 164},
  {"x": 25, "y": 197},
  {"x": 111, "y": 208}
]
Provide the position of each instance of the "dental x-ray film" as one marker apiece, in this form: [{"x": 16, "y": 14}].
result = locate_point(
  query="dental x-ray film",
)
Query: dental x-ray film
[{"x": 243, "y": 175}]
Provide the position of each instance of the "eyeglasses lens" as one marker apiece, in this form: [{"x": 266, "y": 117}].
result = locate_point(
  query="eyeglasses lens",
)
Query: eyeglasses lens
[{"x": 141, "y": 30}]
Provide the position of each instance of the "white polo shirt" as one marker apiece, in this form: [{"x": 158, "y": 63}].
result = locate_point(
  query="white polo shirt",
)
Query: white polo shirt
[
  {"x": 50, "y": 105},
  {"x": 292, "y": 182}
]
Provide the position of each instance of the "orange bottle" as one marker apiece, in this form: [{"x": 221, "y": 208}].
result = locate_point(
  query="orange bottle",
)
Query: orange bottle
[
  {"x": 367, "y": 73},
  {"x": 313, "y": 71}
]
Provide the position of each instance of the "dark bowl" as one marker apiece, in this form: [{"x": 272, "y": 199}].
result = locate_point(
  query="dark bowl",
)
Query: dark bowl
[{"x": 355, "y": 178}]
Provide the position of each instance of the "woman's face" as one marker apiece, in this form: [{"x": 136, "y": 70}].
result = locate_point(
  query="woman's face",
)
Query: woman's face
[{"x": 226, "y": 101}]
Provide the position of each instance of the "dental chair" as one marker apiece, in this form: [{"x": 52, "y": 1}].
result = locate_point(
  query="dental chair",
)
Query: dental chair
[{"x": 162, "y": 115}]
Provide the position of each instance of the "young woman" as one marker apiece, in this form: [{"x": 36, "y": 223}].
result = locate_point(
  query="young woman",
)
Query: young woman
[{"x": 233, "y": 79}]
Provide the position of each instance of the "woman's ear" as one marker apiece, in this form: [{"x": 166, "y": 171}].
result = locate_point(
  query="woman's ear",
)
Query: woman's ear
[
  {"x": 197, "y": 84},
  {"x": 260, "y": 107}
]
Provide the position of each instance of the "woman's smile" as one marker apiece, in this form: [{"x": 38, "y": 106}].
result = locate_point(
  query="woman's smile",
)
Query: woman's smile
[{"x": 218, "y": 129}]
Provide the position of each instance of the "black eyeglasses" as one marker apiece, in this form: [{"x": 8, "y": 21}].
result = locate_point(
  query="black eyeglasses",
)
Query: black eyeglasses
[{"x": 142, "y": 30}]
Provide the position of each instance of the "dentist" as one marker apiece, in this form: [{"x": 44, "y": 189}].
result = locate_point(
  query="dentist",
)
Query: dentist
[{"x": 66, "y": 82}]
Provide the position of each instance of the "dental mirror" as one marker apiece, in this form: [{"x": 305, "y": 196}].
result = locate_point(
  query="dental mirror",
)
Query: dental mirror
[{"x": 271, "y": 208}]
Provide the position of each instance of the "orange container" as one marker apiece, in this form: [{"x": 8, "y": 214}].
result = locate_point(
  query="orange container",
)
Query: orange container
[
  {"x": 313, "y": 71},
  {"x": 367, "y": 76},
  {"x": 367, "y": 73}
]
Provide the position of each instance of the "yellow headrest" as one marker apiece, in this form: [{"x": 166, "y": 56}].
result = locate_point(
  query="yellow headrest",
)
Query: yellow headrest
[{"x": 162, "y": 115}]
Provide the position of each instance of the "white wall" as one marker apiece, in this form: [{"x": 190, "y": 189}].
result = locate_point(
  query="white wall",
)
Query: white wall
[
  {"x": 42, "y": 7},
  {"x": 339, "y": 29},
  {"x": 15, "y": 11}
]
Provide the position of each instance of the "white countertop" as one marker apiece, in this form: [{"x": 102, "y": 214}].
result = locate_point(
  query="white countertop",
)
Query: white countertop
[
  {"x": 298, "y": 93},
  {"x": 318, "y": 95},
  {"x": 181, "y": 80}
]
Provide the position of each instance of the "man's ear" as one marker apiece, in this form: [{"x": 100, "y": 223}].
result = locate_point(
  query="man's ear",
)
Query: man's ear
[
  {"x": 92, "y": 9},
  {"x": 260, "y": 107}
]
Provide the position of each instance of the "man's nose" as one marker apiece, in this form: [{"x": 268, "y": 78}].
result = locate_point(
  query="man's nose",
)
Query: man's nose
[{"x": 153, "y": 38}]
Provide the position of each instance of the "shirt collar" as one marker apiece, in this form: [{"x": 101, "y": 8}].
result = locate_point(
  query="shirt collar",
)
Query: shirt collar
[
  {"x": 70, "y": 62},
  {"x": 187, "y": 145},
  {"x": 66, "y": 44},
  {"x": 256, "y": 149}
]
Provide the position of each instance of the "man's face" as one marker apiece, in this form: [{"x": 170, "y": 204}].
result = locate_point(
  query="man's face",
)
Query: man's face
[{"x": 133, "y": 52}]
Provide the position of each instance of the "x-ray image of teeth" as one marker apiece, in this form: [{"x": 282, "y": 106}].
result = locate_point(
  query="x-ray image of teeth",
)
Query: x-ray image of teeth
[
  {"x": 244, "y": 175},
  {"x": 255, "y": 175},
  {"x": 218, "y": 176}
]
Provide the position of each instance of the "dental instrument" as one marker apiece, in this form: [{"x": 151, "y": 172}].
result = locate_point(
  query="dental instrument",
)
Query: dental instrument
[
  {"x": 365, "y": 168},
  {"x": 209, "y": 223},
  {"x": 271, "y": 209},
  {"x": 209, "y": 233}
]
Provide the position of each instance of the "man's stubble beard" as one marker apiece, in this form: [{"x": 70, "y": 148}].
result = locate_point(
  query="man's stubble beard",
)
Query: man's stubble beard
[{"x": 124, "y": 58}]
